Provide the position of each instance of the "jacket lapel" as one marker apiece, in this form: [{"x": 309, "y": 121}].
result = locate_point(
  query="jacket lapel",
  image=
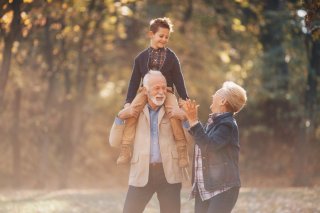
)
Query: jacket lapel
[
  {"x": 161, "y": 114},
  {"x": 209, "y": 127},
  {"x": 146, "y": 113}
]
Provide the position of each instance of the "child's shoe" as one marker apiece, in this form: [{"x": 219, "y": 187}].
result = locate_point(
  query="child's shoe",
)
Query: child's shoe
[
  {"x": 182, "y": 156},
  {"x": 125, "y": 154}
]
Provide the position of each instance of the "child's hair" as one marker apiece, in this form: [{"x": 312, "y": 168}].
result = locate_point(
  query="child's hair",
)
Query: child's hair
[
  {"x": 236, "y": 96},
  {"x": 160, "y": 22}
]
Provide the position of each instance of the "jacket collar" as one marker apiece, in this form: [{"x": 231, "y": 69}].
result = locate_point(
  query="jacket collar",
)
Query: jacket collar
[
  {"x": 218, "y": 119},
  {"x": 160, "y": 115},
  {"x": 222, "y": 116}
]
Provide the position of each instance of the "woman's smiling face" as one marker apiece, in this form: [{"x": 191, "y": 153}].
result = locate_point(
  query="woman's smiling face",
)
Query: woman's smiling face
[{"x": 217, "y": 102}]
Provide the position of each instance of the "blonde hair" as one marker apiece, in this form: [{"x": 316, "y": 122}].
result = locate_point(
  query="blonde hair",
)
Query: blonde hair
[{"x": 235, "y": 95}]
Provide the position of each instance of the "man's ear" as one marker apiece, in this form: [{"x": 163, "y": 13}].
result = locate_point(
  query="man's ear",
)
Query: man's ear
[{"x": 144, "y": 91}]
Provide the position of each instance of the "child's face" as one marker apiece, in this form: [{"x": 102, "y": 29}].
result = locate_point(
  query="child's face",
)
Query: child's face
[{"x": 160, "y": 38}]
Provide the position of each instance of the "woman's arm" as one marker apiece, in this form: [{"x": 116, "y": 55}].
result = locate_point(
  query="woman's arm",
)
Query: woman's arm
[{"x": 216, "y": 139}]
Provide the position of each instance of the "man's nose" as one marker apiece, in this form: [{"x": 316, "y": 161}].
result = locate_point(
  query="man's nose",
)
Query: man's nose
[{"x": 162, "y": 91}]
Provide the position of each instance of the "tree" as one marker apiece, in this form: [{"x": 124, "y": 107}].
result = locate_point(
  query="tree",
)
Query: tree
[
  {"x": 10, "y": 37},
  {"x": 310, "y": 123}
]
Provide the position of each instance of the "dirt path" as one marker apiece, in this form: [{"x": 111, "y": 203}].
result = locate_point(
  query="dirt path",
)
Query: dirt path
[{"x": 251, "y": 200}]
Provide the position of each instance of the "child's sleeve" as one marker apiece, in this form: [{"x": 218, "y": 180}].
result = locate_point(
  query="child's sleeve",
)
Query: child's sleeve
[
  {"x": 134, "y": 82},
  {"x": 178, "y": 80}
]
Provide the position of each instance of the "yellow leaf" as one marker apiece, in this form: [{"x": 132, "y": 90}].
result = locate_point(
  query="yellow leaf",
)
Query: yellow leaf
[{"x": 224, "y": 57}]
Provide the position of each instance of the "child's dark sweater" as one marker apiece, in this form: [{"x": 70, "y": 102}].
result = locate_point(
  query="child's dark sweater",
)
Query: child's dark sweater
[{"x": 170, "y": 69}]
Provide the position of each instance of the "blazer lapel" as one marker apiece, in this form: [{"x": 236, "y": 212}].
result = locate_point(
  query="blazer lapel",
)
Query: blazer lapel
[
  {"x": 161, "y": 114},
  {"x": 146, "y": 113}
]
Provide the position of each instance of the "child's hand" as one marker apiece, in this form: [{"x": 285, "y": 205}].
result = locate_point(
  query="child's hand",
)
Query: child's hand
[
  {"x": 175, "y": 112},
  {"x": 181, "y": 102},
  {"x": 191, "y": 109}
]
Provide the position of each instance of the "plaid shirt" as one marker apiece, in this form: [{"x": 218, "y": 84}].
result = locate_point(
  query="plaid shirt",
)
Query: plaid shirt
[
  {"x": 156, "y": 58},
  {"x": 198, "y": 172}
]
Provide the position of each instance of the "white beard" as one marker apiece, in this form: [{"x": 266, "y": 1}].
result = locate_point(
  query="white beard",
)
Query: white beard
[{"x": 155, "y": 101}]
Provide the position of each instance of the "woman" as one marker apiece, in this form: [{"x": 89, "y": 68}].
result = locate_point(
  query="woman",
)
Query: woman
[{"x": 216, "y": 179}]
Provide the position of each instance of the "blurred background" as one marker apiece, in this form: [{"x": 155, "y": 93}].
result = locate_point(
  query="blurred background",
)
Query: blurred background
[{"x": 65, "y": 67}]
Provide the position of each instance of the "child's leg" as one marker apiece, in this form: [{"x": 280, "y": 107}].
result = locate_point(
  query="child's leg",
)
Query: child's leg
[
  {"x": 130, "y": 128},
  {"x": 178, "y": 132}
]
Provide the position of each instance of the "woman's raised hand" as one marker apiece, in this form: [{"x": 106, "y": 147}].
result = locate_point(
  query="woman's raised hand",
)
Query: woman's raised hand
[{"x": 191, "y": 109}]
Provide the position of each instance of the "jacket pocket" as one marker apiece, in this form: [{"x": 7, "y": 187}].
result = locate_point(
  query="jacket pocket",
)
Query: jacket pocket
[
  {"x": 164, "y": 121},
  {"x": 134, "y": 159},
  {"x": 134, "y": 165},
  {"x": 216, "y": 174},
  {"x": 174, "y": 154}
]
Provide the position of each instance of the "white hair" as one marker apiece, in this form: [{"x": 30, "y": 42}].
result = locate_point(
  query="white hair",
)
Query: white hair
[
  {"x": 235, "y": 95},
  {"x": 151, "y": 73}
]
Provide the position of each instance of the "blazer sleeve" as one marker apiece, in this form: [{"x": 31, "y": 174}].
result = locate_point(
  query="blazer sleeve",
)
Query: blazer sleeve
[
  {"x": 116, "y": 133},
  {"x": 134, "y": 82},
  {"x": 216, "y": 139},
  {"x": 178, "y": 80}
]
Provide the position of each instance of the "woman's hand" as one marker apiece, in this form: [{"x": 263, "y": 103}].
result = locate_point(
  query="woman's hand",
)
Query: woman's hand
[{"x": 191, "y": 109}]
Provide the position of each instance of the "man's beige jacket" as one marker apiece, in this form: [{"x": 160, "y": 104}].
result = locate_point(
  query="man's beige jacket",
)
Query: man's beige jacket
[{"x": 139, "y": 169}]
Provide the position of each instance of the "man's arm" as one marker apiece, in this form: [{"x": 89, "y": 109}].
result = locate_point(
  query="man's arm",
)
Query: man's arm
[{"x": 116, "y": 132}]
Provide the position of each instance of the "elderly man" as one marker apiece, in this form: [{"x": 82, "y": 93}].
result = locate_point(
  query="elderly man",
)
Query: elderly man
[{"x": 154, "y": 165}]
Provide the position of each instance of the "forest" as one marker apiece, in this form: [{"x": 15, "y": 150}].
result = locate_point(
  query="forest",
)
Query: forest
[{"x": 65, "y": 67}]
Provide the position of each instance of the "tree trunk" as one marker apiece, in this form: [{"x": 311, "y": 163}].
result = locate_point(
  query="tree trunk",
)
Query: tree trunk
[
  {"x": 271, "y": 38},
  {"x": 186, "y": 16},
  {"x": 76, "y": 105},
  {"x": 302, "y": 173},
  {"x": 15, "y": 130},
  {"x": 157, "y": 8},
  {"x": 47, "y": 107},
  {"x": 275, "y": 76},
  {"x": 9, "y": 39},
  {"x": 51, "y": 74}
]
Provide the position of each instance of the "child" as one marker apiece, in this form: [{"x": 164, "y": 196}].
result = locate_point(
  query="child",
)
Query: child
[
  {"x": 156, "y": 57},
  {"x": 216, "y": 179}
]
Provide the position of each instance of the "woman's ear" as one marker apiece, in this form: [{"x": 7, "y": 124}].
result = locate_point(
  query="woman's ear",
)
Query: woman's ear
[{"x": 223, "y": 101}]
